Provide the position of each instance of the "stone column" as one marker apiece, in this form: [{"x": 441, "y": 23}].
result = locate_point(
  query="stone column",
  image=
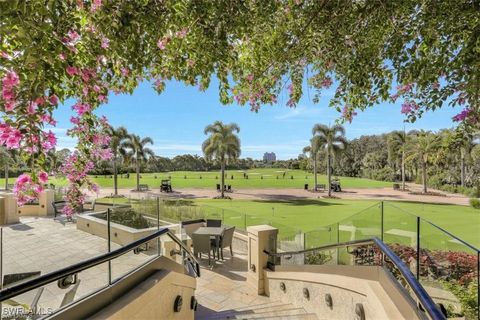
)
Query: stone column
[
  {"x": 45, "y": 200},
  {"x": 8, "y": 209},
  {"x": 260, "y": 238}
]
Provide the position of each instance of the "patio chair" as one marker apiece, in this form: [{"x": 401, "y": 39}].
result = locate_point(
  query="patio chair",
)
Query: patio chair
[
  {"x": 58, "y": 207},
  {"x": 215, "y": 223},
  {"x": 226, "y": 240},
  {"x": 218, "y": 187},
  {"x": 201, "y": 244},
  {"x": 229, "y": 188}
]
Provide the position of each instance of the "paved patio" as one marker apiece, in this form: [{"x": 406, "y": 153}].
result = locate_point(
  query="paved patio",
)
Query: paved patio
[{"x": 44, "y": 245}]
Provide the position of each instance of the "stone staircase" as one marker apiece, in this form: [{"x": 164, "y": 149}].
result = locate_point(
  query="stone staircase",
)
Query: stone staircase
[{"x": 271, "y": 310}]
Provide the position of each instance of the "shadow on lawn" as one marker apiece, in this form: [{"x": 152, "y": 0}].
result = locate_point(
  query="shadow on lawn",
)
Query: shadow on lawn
[{"x": 296, "y": 201}]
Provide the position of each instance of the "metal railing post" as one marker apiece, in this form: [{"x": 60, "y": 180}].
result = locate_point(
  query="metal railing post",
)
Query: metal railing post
[
  {"x": 158, "y": 226},
  {"x": 338, "y": 241},
  {"x": 109, "y": 247},
  {"x": 381, "y": 221},
  {"x": 418, "y": 248}
]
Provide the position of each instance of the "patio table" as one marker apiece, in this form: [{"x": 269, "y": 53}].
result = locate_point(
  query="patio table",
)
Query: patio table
[{"x": 213, "y": 232}]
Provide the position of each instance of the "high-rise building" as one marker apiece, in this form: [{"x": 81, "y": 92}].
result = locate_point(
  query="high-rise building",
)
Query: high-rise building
[{"x": 269, "y": 157}]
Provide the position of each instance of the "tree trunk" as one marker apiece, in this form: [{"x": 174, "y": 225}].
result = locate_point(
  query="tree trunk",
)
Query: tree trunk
[
  {"x": 462, "y": 168},
  {"x": 424, "y": 176},
  {"x": 222, "y": 190},
  {"x": 315, "y": 172},
  {"x": 6, "y": 176},
  {"x": 115, "y": 183},
  {"x": 137, "y": 165},
  {"x": 329, "y": 175},
  {"x": 403, "y": 170}
]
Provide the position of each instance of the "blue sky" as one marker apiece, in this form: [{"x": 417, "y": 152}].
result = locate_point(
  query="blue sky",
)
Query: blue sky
[{"x": 175, "y": 120}]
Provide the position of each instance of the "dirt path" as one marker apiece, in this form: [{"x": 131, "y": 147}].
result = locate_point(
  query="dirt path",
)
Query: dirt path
[{"x": 253, "y": 194}]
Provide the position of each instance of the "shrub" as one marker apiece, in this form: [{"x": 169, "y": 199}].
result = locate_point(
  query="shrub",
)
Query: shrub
[{"x": 475, "y": 203}]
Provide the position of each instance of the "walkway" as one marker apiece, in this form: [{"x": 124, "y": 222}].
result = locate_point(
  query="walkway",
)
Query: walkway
[
  {"x": 223, "y": 293},
  {"x": 289, "y": 194}
]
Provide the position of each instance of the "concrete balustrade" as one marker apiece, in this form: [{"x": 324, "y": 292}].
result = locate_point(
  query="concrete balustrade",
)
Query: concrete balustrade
[
  {"x": 41, "y": 209},
  {"x": 9, "y": 212}
]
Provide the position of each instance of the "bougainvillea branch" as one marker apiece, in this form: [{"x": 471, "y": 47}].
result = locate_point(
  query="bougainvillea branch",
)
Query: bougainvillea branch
[{"x": 53, "y": 52}]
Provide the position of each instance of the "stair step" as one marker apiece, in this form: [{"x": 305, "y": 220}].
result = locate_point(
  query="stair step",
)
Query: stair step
[
  {"x": 274, "y": 308},
  {"x": 260, "y": 306},
  {"x": 307, "y": 316},
  {"x": 271, "y": 314}
]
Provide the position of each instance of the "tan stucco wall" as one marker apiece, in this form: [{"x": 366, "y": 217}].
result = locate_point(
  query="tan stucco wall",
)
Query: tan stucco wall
[
  {"x": 111, "y": 301},
  {"x": 8, "y": 208},
  {"x": 154, "y": 299},
  {"x": 347, "y": 285}
]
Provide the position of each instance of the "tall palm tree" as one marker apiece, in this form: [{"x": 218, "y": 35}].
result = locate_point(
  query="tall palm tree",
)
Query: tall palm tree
[
  {"x": 398, "y": 141},
  {"x": 313, "y": 149},
  {"x": 334, "y": 141},
  {"x": 138, "y": 152},
  {"x": 222, "y": 144},
  {"x": 423, "y": 149},
  {"x": 117, "y": 137}
]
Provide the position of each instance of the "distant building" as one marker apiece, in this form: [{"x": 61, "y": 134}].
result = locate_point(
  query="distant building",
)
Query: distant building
[{"x": 269, "y": 157}]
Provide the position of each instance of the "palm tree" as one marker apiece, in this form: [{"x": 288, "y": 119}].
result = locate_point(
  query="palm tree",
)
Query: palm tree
[
  {"x": 334, "y": 141},
  {"x": 7, "y": 157},
  {"x": 398, "y": 141},
  {"x": 423, "y": 148},
  {"x": 222, "y": 144},
  {"x": 138, "y": 151},
  {"x": 313, "y": 149},
  {"x": 117, "y": 137}
]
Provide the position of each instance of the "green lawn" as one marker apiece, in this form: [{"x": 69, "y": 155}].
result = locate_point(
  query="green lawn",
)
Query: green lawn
[
  {"x": 309, "y": 215},
  {"x": 319, "y": 218},
  {"x": 257, "y": 178}
]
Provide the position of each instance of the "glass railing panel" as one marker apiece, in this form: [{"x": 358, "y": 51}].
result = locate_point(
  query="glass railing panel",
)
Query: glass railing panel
[
  {"x": 321, "y": 236},
  {"x": 56, "y": 295},
  {"x": 363, "y": 225},
  {"x": 449, "y": 272},
  {"x": 400, "y": 234},
  {"x": 234, "y": 218}
]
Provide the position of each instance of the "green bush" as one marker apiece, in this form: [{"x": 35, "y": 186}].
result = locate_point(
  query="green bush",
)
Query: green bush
[{"x": 475, "y": 203}]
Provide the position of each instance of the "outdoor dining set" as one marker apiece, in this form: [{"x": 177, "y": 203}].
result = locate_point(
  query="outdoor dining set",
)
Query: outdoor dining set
[{"x": 209, "y": 237}]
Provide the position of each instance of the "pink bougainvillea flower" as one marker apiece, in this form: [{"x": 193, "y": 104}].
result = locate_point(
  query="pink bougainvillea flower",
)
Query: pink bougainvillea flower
[
  {"x": 72, "y": 71},
  {"x": 14, "y": 138},
  {"x": 23, "y": 179},
  {"x": 327, "y": 82},
  {"x": 96, "y": 4},
  {"x": 43, "y": 177},
  {"x": 408, "y": 107},
  {"x": 53, "y": 99},
  {"x": 10, "y": 79},
  {"x": 125, "y": 72},
  {"x": 73, "y": 36},
  {"x": 32, "y": 107},
  {"x": 5, "y": 55},
  {"x": 75, "y": 120},
  {"x": 10, "y": 106},
  {"x": 105, "y": 43},
  {"x": 162, "y": 43},
  {"x": 182, "y": 33},
  {"x": 250, "y": 78},
  {"x": 62, "y": 56},
  {"x": 81, "y": 108},
  {"x": 462, "y": 115}
]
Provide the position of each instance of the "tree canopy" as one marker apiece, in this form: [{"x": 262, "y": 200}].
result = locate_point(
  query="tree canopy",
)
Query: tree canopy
[{"x": 423, "y": 51}]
